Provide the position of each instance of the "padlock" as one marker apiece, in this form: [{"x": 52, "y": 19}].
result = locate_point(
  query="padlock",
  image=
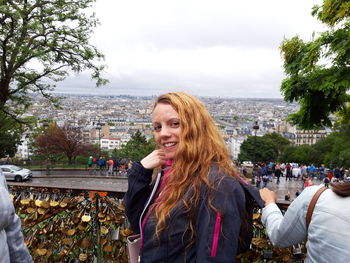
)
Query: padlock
[{"x": 114, "y": 234}]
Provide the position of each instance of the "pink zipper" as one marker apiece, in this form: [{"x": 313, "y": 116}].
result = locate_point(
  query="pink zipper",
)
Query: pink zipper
[{"x": 216, "y": 235}]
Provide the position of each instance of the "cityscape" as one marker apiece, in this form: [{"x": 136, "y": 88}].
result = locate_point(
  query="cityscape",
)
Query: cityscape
[
  {"x": 109, "y": 121},
  {"x": 80, "y": 178}
]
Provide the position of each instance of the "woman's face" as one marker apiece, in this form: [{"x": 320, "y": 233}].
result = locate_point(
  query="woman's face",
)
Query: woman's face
[{"x": 166, "y": 128}]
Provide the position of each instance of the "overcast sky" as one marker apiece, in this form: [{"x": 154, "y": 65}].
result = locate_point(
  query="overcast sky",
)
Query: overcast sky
[{"x": 226, "y": 48}]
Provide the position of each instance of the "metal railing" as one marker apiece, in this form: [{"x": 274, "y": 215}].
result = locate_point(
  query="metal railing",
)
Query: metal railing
[
  {"x": 72, "y": 225},
  {"x": 63, "y": 225}
]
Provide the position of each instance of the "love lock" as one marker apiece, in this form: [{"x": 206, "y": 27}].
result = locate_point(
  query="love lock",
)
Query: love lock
[
  {"x": 83, "y": 257},
  {"x": 104, "y": 230},
  {"x": 297, "y": 252},
  {"x": 86, "y": 218},
  {"x": 268, "y": 254},
  {"x": 114, "y": 234}
]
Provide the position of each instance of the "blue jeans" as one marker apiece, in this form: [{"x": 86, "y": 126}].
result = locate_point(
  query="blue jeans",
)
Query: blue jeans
[
  {"x": 258, "y": 184},
  {"x": 265, "y": 183}
]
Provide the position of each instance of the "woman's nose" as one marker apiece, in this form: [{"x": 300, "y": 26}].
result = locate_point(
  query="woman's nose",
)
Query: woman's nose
[{"x": 165, "y": 131}]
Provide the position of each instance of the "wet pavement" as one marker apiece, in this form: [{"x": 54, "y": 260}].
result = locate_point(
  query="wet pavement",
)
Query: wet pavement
[
  {"x": 93, "y": 182},
  {"x": 286, "y": 186}
]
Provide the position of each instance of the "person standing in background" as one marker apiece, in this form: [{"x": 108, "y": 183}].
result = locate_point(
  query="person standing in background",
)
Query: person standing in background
[
  {"x": 110, "y": 164},
  {"x": 278, "y": 172},
  {"x": 288, "y": 171},
  {"x": 90, "y": 161}
]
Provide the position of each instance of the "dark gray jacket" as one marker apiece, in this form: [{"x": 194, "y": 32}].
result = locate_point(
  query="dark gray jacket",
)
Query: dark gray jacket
[{"x": 217, "y": 234}]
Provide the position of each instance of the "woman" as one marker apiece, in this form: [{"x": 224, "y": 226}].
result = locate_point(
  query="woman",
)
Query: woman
[
  {"x": 12, "y": 247},
  {"x": 329, "y": 230},
  {"x": 199, "y": 209}
]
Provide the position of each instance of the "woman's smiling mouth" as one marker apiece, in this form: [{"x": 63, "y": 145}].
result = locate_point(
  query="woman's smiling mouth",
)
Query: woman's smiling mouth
[{"x": 169, "y": 144}]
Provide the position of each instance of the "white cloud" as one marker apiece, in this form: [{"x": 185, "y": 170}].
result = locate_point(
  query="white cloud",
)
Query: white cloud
[{"x": 205, "y": 47}]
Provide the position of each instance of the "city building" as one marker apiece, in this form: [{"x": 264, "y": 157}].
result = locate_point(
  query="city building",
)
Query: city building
[{"x": 308, "y": 136}]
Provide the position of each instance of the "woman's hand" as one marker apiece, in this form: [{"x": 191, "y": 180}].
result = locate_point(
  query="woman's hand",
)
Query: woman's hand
[
  {"x": 154, "y": 159},
  {"x": 268, "y": 196}
]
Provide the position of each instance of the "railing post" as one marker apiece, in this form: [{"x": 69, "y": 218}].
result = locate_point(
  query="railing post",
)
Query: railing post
[{"x": 97, "y": 229}]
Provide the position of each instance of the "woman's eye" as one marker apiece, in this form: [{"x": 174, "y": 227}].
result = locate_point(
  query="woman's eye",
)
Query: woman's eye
[
  {"x": 175, "y": 124},
  {"x": 157, "y": 128}
]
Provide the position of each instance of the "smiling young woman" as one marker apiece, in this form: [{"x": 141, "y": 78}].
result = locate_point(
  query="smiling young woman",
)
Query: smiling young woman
[{"x": 198, "y": 212}]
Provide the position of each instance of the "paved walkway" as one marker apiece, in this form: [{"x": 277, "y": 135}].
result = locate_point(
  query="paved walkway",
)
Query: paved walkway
[
  {"x": 82, "y": 180},
  {"x": 286, "y": 186}
]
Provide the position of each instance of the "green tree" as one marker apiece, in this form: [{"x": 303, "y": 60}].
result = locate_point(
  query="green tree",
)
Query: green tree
[
  {"x": 301, "y": 154},
  {"x": 41, "y": 41},
  {"x": 318, "y": 71},
  {"x": 10, "y": 136},
  {"x": 266, "y": 148},
  {"x": 324, "y": 148},
  {"x": 343, "y": 118},
  {"x": 136, "y": 148},
  {"x": 336, "y": 148},
  {"x": 256, "y": 149},
  {"x": 279, "y": 143},
  {"x": 331, "y": 151},
  {"x": 288, "y": 152}
]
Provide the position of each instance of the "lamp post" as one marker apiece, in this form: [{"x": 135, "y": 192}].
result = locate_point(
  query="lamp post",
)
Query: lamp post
[
  {"x": 27, "y": 144},
  {"x": 46, "y": 125},
  {"x": 255, "y": 128},
  {"x": 98, "y": 127}
]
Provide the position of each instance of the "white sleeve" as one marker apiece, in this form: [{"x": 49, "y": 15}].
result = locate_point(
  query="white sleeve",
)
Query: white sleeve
[{"x": 289, "y": 229}]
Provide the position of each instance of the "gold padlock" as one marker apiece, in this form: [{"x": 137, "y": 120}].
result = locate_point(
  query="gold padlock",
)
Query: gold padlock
[
  {"x": 104, "y": 230},
  {"x": 83, "y": 256},
  {"x": 86, "y": 218}
]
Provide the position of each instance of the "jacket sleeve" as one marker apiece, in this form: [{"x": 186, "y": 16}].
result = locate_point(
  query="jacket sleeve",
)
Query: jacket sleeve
[
  {"x": 290, "y": 229},
  {"x": 15, "y": 242},
  {"x": 17, "y": 249},
  {"x": 218, "y": 232},
  {"x": 138, "y": 192}
]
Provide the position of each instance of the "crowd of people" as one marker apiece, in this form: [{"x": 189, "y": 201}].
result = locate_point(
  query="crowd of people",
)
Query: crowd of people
[
  {"x": 263, "y": 173},
  {"x": 111, "y": 165}
]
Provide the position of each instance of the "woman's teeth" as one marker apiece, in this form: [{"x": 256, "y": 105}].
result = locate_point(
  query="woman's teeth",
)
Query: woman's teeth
[{"x": 169, "y": 144}]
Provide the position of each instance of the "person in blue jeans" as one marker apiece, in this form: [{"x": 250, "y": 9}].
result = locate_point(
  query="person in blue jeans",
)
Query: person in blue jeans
[
  {"x": 265, "y": 179},
  {"x": 257, "y": 176},
  {"x": 264, "y": 175}
]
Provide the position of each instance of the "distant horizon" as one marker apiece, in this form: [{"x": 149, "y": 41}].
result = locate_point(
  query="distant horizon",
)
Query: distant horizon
[{"x": 82, "y": 94}]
